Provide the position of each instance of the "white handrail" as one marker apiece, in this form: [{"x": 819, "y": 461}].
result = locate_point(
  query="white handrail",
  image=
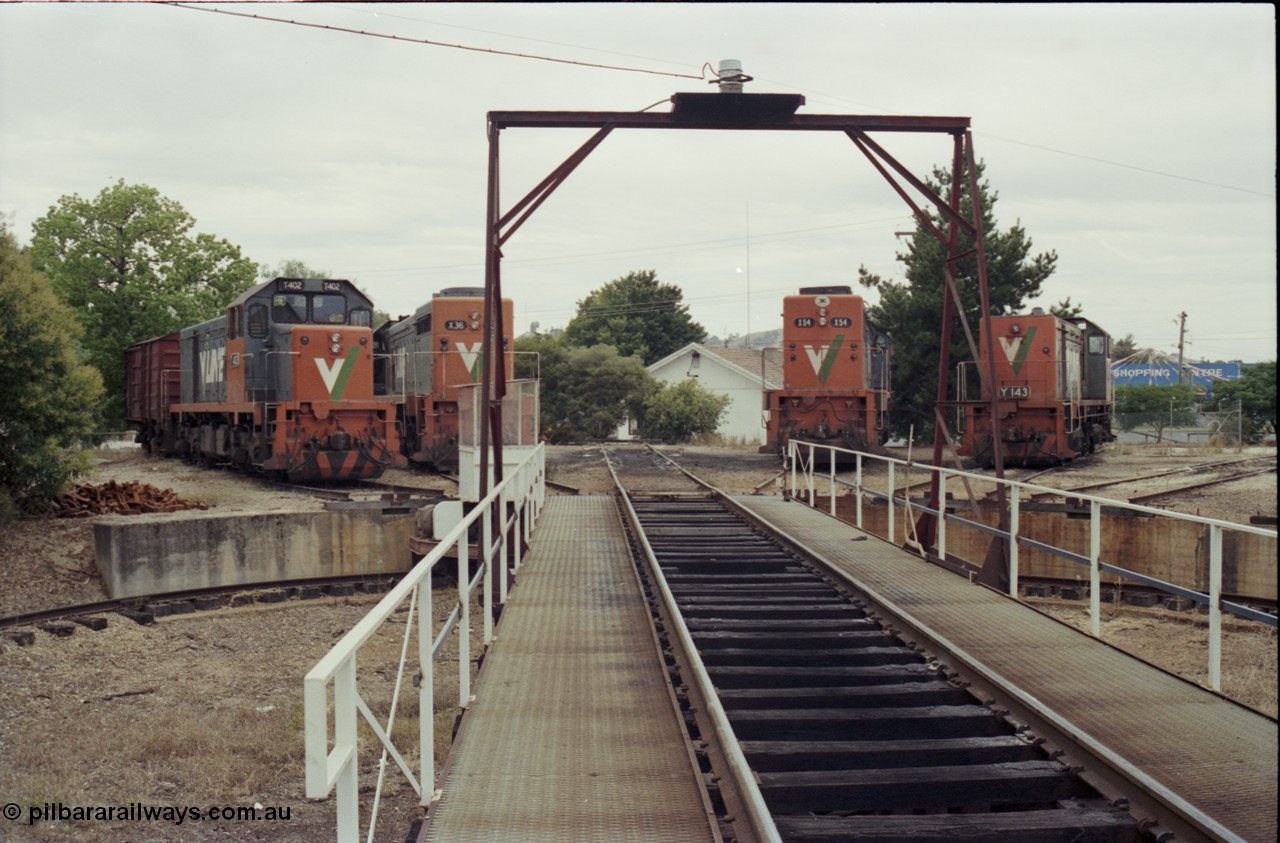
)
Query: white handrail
[
  {"x": 325, "y": 768},
  {"x": 803, "y": 482}
]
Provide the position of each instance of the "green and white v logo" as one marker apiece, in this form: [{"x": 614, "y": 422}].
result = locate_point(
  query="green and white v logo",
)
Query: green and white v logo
[
  {"x": 1015, "y": 350},
  {"x": 823, "y": 358},
  {"x": 337, "y": 373}
]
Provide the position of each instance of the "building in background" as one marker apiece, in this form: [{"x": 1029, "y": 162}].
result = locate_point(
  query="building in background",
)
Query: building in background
[
  {"x": 1149, "y": 367},
  {"x": 737, "y": 372}
]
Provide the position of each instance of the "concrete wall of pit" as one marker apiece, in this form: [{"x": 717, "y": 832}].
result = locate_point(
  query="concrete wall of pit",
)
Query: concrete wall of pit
[{"x": 155, "y": 554}]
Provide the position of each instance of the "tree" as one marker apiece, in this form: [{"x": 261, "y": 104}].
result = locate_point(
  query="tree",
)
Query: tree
[
  {"x": 49, "y": 395},
  {"x": 1123, "y": 347},
  {"x": 1066, "y": 310},
  {"x": 1154, "y": 406},
  {"x": 637, "y": 315},
  {"x": 588, "y": 392},
  {"x": 911, "y": 310},
  {"x": 128, "y": 265},
  {"x": 1255, "y": 391},
  {"x": 678, "y": 411},
  {"x": 292, "y": 268}
]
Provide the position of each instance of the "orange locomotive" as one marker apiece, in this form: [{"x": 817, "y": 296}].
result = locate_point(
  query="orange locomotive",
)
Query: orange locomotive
[
  {"x": 424, "y": 358},
  {"x": 1053, "y": 384},
  {"x": 835, "y": 364},
  {"x": 281, "y": 384}
]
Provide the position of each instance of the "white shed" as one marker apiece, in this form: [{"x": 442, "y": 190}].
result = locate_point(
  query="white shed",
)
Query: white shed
[{"x": 735, "y": 372}]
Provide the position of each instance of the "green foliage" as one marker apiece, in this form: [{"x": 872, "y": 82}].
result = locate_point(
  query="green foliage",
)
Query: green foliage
[
  {"x": 290, "y": 269},
  {"x": 587, "y": 392},
  {"x": 128, "y": 265},
  {"x": 1066, "y": 310},
  {"x": 537, "y": 354},
  {"x": 1154, "y": 406},
  {"x": 49, "y": 395},
  {"x": 1256, "y": 393},
  {"x": 911, "y": 310},
  {"x": 636, "y": 315},
  {"x": 679, "y": 411},
  {"x": 1123, "y": 347}
]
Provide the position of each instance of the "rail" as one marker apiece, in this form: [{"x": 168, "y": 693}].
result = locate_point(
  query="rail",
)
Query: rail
[
  {"x": 514, "y": 507},
  {"x": 803, "y": 483}
]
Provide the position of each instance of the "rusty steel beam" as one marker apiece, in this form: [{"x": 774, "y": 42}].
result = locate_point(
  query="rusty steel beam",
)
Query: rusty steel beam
[{"x": 659, "y": 120}]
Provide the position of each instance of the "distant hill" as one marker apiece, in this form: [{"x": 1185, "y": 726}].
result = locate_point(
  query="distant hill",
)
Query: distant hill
[{"x": 760, "y": 339}]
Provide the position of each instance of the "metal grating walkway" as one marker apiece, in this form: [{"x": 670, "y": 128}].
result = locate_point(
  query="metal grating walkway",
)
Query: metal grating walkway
[
  {"x": 1218, "y": 756},
  {"x": 573, "y": 735}
]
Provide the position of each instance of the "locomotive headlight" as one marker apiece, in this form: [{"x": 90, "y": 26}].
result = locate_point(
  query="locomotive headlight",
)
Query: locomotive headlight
[
  {"x": 822, "y": 311},
  {"x": 335, "y": 348},
  {"x": 822, "y": 320},
  {"x": 475, "y": 325},
  {"x": 334, "y": 337},
  {"x": 305, "y": 340}
]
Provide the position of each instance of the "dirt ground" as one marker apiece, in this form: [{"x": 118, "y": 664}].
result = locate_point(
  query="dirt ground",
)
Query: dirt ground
[{"x": 205, "y": 710}]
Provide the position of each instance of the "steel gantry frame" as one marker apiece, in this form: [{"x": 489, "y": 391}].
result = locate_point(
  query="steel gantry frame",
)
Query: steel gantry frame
[{"x": 761, "y": 112}]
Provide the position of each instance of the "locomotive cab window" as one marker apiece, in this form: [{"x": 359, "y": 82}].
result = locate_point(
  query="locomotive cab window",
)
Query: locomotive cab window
[
  {"x": 290, "y": 308},
  {"x": 257, "y": 320},
  {"x": 1097, "y": 344},
  {"x": 362, "y": 318},
  {"x": 328, "y": 310}
]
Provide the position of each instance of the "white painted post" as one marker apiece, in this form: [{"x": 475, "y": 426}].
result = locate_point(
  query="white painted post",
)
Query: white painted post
[
  {"x": 792, "y": 453},
  {"x": 1014, "y": 511},
  {"x": 486, "y": 559},
  {"x": 857, "y": 488},
  {"x": 942, "y": 515},
  {"x": 813, "y": 493},
  {"x": 1095, "y": 574},
  {"x": 891, "y": 504},
  {"x": 1215, "y": 607},
  {"x": 833, "y": 481},
  {"x": 464, "y": 624},
  {"x": 501, "y": 504},
  {"x": 426, "y": 694},
  {"x": 344, "y": 740}
]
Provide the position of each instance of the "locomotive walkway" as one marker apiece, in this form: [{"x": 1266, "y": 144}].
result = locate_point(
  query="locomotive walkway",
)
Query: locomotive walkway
[{"x": 573, "y": 734}]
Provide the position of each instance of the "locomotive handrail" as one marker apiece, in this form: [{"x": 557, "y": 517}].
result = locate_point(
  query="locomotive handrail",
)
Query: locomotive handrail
[
  {"x": 802, "y": 458},
  {"x": 514, "y": 505}
]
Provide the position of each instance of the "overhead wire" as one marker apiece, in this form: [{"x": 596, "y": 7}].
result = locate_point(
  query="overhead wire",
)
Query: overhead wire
[{"x": 429, "y": 42}]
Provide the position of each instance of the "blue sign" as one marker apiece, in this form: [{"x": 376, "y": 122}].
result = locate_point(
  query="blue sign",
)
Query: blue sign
[{"x": 1153, "y": 373}]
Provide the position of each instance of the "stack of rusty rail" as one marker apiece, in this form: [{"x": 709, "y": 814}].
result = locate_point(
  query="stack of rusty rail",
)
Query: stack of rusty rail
[{"x": 131, "y": 498}]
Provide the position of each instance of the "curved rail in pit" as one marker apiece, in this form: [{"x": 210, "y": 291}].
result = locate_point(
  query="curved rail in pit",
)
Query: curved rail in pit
[{"x": 747, "y": 792}]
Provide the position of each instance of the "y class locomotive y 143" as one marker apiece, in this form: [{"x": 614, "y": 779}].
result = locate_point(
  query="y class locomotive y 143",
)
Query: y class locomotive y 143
[
  {"x": 1053, "y": 391},
  {"x": 282, "y": 384}
]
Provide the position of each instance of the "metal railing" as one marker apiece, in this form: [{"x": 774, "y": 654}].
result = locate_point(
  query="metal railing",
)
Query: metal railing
[
  {"x": 804, "y": 482},
  {"x": 503, "y": 520}
]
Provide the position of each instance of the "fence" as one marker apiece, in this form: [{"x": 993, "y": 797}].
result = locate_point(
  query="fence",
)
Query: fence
[
  {"x": 804, "y": 482},
  {"x": 503, "y": 520}
]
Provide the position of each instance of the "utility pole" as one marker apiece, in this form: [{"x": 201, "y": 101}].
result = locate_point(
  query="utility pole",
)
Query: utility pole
[{"x": 1182, "y": 330}]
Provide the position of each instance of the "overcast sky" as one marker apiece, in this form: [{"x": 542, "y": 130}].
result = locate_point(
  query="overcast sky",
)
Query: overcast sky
[{"x": 1138, "y": 141}]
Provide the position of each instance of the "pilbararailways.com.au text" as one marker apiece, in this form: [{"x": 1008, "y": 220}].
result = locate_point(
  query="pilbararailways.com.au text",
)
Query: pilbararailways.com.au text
[{"x": 138, "y": 812}]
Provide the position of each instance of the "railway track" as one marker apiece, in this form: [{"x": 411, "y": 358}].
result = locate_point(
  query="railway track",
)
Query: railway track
[
  {"x": 815, "y": 720},
  {"x": 145, "y": 609}
]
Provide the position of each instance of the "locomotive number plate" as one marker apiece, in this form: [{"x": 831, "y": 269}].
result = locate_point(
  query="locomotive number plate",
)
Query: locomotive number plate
[
  {"x": 804, "y": 322},
  {"x": 292, "y": 285},
  {"x": 331, "y": 286},
  {"x": 841, "y": 321},
  {"x": 455, "y": 325},
  {"x": 1015, "y": 393}
]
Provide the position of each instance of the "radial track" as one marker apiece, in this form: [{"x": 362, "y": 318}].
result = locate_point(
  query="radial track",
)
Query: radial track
[{"x": 849, "y": 733}]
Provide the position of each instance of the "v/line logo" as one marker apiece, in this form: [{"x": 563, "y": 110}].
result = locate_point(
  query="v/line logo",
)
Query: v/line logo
[
  {"x": 1016, "y": 348},
  {"x": 823, "y": 358},
  {"x": 335, "y": 374},
  {"x": 471, "y": 358}
]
